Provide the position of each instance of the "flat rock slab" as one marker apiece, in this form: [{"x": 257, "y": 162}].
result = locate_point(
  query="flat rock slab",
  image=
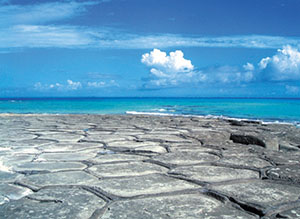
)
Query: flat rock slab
[
  {"x": 132, "y": 144},
  {"x": 50, "y": 166},
  {"x": 181, "y": 206},
  {"x": 53, "y": 203},
  {"x": 62, "y": 166},
  {"x": 126, "y": 169},
  {"x": 214, "y": 173},
  {"x": 66, "y": 156},
  {"x": 69, "y": 147},
  {"x": 110, "y": 156},
  {"x": 8, "y": 176},
  {"x": 245, "y": 161},
  {"x": 163, "y": 138},
  {"x": 61, "y": 136},
  {"x": 12, "y": 192},
  {"x": 288, "y": 173},
  {"x": 263, "y": 193},
  {"x": 143, "y": 185},
  {"x": 283, "y": 158},
  {"x": 60, "y": 178},
  {"x": 186, "y": 158}
]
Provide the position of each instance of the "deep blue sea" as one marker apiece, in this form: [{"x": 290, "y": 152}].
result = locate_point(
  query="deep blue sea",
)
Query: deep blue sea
[{"x": 282, "y": 110}]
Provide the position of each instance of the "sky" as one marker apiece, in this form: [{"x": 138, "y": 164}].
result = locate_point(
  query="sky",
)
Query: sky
[{"x": 150, "y": 48}]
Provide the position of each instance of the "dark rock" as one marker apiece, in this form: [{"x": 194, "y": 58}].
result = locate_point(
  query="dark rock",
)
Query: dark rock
[{"x": 247, "y": 139}]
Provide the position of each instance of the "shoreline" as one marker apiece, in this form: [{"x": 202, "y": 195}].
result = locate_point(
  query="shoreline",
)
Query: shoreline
[{"x": 135, "y": 113}]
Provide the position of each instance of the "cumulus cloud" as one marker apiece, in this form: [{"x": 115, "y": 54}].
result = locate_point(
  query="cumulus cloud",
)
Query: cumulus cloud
[
  {"x": 168, "y": 69},
  {"x": 73, "y": 85},
  {"x": 284, "y": 65},
  {"x": 174, "y": 69}
]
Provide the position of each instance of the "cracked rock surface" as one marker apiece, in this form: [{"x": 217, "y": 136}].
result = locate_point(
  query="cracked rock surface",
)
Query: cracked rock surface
[{"x": 138, "y": 166}]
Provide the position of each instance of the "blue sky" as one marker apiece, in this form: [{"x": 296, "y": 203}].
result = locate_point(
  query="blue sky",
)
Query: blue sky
[{"x": 199, "y": 48}]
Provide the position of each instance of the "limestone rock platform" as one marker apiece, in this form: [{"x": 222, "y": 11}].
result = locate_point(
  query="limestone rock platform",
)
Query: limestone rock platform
[{"x": 142, "y": 166}]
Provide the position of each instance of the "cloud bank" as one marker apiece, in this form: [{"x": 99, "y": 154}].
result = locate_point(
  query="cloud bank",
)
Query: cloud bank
[{"x": 174, "y": 69}]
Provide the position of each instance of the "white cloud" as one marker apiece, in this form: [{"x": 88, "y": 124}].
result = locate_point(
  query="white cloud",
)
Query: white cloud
[
  {"x": 249, "y": 67},
  {"x": 11, "y": 14},
  {"x": 73, "y": 85},
  {"x": 168, "y": 69},
  {"x": 102, "y": 84},
  {"x": 292, "y": 89},
  {"x": 66, "y": 36},
  {"x": 174, "y": 69},
  {"x": 96, "y": 84},
  {"x": 285, "y": 65},
  {"x": 31, "y": 26},
  {"x": 70, "y": 85}
]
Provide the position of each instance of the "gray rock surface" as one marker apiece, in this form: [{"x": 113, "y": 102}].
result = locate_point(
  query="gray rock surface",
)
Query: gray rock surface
[{"x": 125, "y": 166}]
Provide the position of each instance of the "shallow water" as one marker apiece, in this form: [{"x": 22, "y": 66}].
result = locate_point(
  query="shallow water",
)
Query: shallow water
[{"x": 282, "y": 110}]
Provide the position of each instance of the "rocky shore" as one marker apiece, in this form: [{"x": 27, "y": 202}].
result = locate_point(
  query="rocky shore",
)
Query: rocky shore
[{"x": 138, "y": 166}]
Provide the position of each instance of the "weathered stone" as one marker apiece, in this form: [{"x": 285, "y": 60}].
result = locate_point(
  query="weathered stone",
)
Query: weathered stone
[
  {"x": 186, "y": 158},
  {"x": 290, "y": 214},
  {"x": 67, "y": 156},
  {"x": 53, "y": 203},
  {"x": 126, "y": 169},
  {"x": 180, "y": 206},
  {"x": 263, "y": 193},
  {"x": 151, "y": 149},
  {"x": 214, "y": 173},
  {"x": 163, "y": 138},
  {"x": 70, "y": 147},
  {"x": 266, "y": 141},
  {"x": 244, "y": 161},
  {"x": 147, "y": 184},
  {"x": 50, "y": 166},
  {"x": 110, "y": 156},
  {"x": 60, "y": 178},
  {"x": 287, "y": 173},
  {"x": 61, "y": 136},
  {"x": 132, "y": 144},
  {"x": 247, "y": 139},
  {"x": 12, "y": 192},
  {"x": 8, "y": 176}
]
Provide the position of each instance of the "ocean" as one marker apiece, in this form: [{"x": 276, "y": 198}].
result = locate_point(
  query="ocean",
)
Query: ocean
[{"x": 273, "y": 110}]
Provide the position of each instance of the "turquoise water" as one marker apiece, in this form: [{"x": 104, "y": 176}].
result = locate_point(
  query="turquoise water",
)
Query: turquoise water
[{"x": 264, "y": 109}]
